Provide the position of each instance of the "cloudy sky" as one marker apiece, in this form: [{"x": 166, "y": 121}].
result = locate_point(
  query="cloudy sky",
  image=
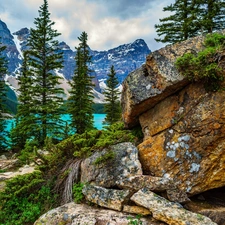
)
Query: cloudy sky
[{"x": 108, "y": 23}]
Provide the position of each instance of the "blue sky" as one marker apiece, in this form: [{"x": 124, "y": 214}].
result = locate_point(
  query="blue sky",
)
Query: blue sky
[{"x": 108, "y": 23}]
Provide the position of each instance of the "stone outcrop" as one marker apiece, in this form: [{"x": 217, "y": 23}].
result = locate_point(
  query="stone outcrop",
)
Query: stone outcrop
[
  {"x": 109, "y": 198},
  {"x": 79, "y": 214},
  {"x": 169, "y": 212},
  {"x": 123, "y": 164},
  {"x": 188, "y": 146},
  {"x": 155, "y": 80},
  {"x": 182, "y": 153},
  {"x": 157, "y": 184},
  {"x": 183, "y": 125},
  {"x": 124, "y": 193}
]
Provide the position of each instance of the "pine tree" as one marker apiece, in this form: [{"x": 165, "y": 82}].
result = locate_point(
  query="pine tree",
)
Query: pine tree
[
  {"x": 181, "y": 25},
  {"x": 191, "y": 18},
  {"x": 81, "y": 95},
  {"x": 43, "y": 61},
  {"x": 24, "y": 128},
  {"x": 112, "y": 107},
  {"x": 3, "y": 71},
  {"x": 212, "y": 15}
]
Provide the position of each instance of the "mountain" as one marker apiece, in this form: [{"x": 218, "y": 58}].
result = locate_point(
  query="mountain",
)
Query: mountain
[
  {"x": 11, "y": 52},
  {"x": 125, "y": 58}
]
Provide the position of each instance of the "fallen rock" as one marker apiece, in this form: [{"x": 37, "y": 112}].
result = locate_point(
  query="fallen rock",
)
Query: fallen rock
[
  {"x": 80, "y": 214},
  {"x": 138, "y": 182},
  {"x": 156, "y": 80},
  {"x": 124, "y": 163},
  {"x": 109, "y": 198},
  {"x": 189, "y": 145},
  {"x": 168, "y": 212},
  {"x": 158, "y": 184}
]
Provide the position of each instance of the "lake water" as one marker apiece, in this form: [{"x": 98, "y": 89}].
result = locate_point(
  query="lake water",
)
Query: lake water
[{"x": 98, "y": 120}]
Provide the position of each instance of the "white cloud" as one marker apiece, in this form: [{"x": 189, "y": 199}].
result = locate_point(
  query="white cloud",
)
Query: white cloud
[{"x": 108, "y": 24}]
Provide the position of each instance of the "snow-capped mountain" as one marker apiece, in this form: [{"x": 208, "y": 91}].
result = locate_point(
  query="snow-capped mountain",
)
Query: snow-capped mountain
[
  {"x": 125, "y": 58},
  {"x": 11, "y": 52}
]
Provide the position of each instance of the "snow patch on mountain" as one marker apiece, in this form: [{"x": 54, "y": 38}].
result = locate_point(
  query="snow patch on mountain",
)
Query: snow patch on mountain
[{"x": 18, "y": 46}]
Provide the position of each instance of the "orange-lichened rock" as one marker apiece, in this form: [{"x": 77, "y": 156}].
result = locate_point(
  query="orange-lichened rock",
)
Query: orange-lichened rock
[{"x": 188, "y": 145}]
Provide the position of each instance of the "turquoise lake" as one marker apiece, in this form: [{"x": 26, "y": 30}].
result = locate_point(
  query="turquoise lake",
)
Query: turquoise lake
[{"x": 98, "y": 120}]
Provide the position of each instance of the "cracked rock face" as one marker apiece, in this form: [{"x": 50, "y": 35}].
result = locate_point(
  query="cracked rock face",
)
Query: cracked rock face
[{"x": 188, "y": 145}]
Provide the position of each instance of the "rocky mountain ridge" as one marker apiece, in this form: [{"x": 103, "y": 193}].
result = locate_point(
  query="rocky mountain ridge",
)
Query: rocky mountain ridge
[{"x": 125, "y": 58}]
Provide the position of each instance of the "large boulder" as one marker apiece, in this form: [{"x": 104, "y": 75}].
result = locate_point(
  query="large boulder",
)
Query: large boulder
[
  {"x": 79, "y": 214},
  {"x": 188, "y": 145},
  {"x": 169, "y": 212},
  {"x": 123, "y": 163},
  {"x": 155, "y": 80}
]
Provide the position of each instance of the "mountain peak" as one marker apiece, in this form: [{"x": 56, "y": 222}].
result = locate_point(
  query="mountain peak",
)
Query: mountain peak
[
  {"x": 4, "y": 32},
  {"x": 140, "y": 42},
  {"x": 11, "y": 53}
]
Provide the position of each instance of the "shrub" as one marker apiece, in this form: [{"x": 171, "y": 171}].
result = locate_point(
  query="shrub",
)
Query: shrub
[
  {"x": 105, "y": 158},
  {"x": 83, "y": 145},
  {"x": 24, "y": 199},
  {"x": 205, "y": 65},
  {"x": 134, "y": 221},
  {"x": 77, "y": 192},
  {"x": 28, "y": 155}
]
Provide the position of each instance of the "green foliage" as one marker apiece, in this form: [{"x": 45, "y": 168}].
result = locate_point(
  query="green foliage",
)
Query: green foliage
[
  {"x": 3, "y": 71},
  {"x": 28, "y": 154},
  {"x": 80, "y": 145},
  {"x": 83, "y": 145},
  {"x": 114, "y": 134},
  {"x": 77, "y": 192},
  {"x": 136, "y": 221},
  {"x": 137, "y": 132},
  {"x": 11, "y": 101},
  {"x": 24, "y": 199},
  {"x": 40, "y": 96},
  {"x": 190, "y": 18},
  {"x": 112, "y": 107},
  {"x": 54, "y": 160},
  {"x": 206, "y": 64},
  {"x": 211, "y": 15},
  {"x": 81, "y": 95},
  {"x": 179, "y": 26},
  {"x": 98, "y": 108},
  {"x": 105, "y": 158}
]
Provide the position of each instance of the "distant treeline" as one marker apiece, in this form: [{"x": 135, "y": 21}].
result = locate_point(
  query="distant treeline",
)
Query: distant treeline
[{"x": 11, "y": 101}]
